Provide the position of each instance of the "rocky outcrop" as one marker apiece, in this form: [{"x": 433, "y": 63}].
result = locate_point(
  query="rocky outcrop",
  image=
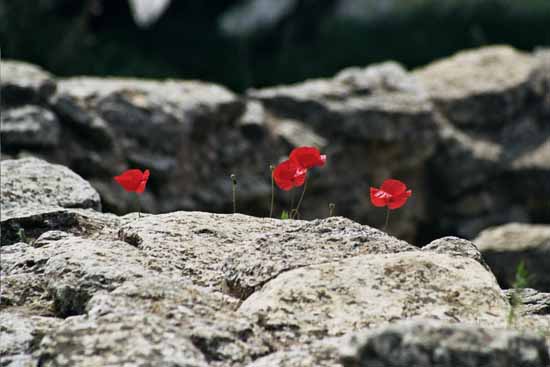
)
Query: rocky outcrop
[
  {"x": 461, "y": 132},
  {"x": 505, "y": 247},
  {"x": 429, "y": 344},
  {"x": 81, "y": 288}
]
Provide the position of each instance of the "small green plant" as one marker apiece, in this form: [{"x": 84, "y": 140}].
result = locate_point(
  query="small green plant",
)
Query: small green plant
[
  {"x": 284, "y": 215},
  {"x": 21, "y": 235},
  {"x": 521, "y": 280}
]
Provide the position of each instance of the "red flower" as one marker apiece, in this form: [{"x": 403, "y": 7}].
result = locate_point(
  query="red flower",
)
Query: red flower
[
  {"x": 308, "y": 157},
  {"x": 289, "y": 174},
  {"x": 133, "y": 180},
  {"x": 392, "y": 193}
]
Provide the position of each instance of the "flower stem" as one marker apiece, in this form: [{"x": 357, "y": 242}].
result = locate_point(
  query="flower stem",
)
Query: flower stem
[
  {"x": 139, "y": 206},
  {"x": 234, "y": 191},
  {"x": 301, "y": 198},
  {"x": 387, "y": 219},
  {"x": 272, "y": 192},
  {"x": 331, "y": 207}
]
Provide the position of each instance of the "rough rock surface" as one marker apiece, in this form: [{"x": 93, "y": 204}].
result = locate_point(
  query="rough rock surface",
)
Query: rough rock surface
[
  {"x": 30, "y": 126},
  {"x": 33, "y": 183},
  {"x": 428, "y": 343},
  {"x": 118, "y": 340},
  {"x": 84, "y": 288},
  {"x": 532, "y": 301},
  {"x": 23, "y": 83},
  {"x": 367, "y": 291},
  {"x": 504, "y": 247},
  {"x": 20, "y": 335},
  {"x": 239, "y": 253}
]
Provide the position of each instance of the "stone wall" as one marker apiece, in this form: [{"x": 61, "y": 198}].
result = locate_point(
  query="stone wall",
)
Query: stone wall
[{"x": 469, "y": 134}]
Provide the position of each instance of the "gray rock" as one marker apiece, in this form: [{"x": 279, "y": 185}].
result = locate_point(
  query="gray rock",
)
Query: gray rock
[
  {"x": 238, "y": 253},
  {"x": 23, "y": 83},
  {"x": 479, "y": 87},
  {"x": 20, "y": 335},
  {"x": 118, "y": 340},
  {"x": 454, "y": 246},
  {"x": 206, "y": 318},
  {"x": 323, "y": 353},
  {"x": 366, "y": 291},
  {"x": 532, "y": 301},
  {"x": 428, "y": 343},
  {"x": 32, "y": 182},
  {"x": 29, "y": 126},
  {"x": 60, "y": 276},
  {"x": 504, "y": 247},
  {"x": 29, "y": 223}
]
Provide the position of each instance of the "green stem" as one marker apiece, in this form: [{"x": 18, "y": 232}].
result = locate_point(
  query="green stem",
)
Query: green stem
[
  {"x": 272, "y": 192},
  {"x": 387, "y": 219},
  {"x": 301, "y": 198}
]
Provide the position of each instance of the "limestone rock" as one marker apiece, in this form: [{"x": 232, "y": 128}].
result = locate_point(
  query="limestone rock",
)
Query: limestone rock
[
  {"x": 334, "y": 298},
  {"x": 504, "y": 247},
  {"x": 59, "y": 276},
  {"x": 23, "y": 83},
  {"x": 532, "y": 301},
  {"x": 479, "y": 87},
  {"x": 428, "y": 343},
  {"x": 32, "y": 182},
  {"x": 455, "y": 246},
  {"x": 208, "y": 319},
  {"x": 20, "y": 335},
  {"x": 118, "y": 340},
  {"x": 323, "y": 353},
  {"x": 30, "y": 126},
  {"x": 239, "y": 253}
]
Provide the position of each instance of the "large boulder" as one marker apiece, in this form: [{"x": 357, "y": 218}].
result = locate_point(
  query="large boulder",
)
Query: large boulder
[{"x": 505, "y": 247}]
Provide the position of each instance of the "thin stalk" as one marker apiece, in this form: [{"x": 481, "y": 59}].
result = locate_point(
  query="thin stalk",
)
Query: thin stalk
[
  {"x": 272, "y": 192},
  {"x": 387, "y": 219},
  {"x": 234, "y": 191},
  {"x": 139, "y": 206},
  {"x": 301, "y": 197},
  {"x": 291, "y": 205},
  {"x": 331, "y": 207}
]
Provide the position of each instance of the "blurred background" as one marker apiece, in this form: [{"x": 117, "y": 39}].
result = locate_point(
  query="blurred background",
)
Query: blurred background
[{"x": 257, "y": 43}]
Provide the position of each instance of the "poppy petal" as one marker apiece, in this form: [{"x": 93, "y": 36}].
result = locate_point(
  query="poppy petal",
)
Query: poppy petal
[
  {"x": 396, "y": 202},
  {"x": 393, "y": 187},
  {"x": 132, "y": 180},
  {"x": 286, "y": 173},
  {"x": 141, "y": 187},
  {"x": 307, "y": 157},
  {"x": 378, "y": 197},
  {"x": 300, "y": 177}
]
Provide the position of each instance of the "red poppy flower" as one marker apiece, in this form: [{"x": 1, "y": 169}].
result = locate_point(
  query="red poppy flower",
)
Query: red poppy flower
[
  {"x": 308, "y": 157},
  {"x": 392, "y": 193},
  {"x": 133, "y": 180},
  {"x": 289, "y": 174}
]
